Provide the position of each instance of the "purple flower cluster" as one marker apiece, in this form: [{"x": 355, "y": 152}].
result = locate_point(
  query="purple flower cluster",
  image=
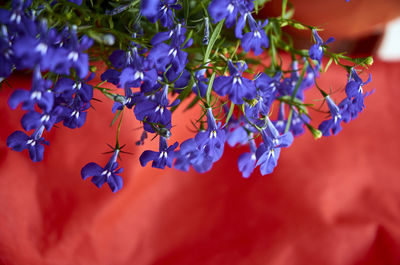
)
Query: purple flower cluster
[
  {"x": 349, "y": 108},
  {"x": 28, "y": 43},
  {"x": 255, "y": 39},
  {"x": 157, "y": 69}
]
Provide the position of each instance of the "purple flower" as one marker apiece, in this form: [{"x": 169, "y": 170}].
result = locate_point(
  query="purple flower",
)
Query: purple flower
[
  {"x": 235, "y": 86},
  {"x": 33, "y": 120},
  {"x": 190, "y": 155},
  {"x": 19, "y": 141},
  {"x": 316, "y": 51},
  {"x": 332, "y": 124},
  {"x": 164, "y": 157},
  {"x": 228, "y": 10},
  {"x": 212, "y": 141},
  {"x": 154, "y": 109},
  {"x": 107, "y": 174},
  {"x": 75, "y": 115},
  {"x": 163, "y": 55},
  {"x": 267, "y": 153},
  {"x": 247, "y": 161},
  {"x": 39, "y": 94},
  {"x": 161, "y": 10},
  {"x": 256, "y": 38},
  {"x": 200, "y": 86}
]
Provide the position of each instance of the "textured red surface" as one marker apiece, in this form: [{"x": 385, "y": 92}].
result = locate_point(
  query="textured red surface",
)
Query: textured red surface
[{"x": 331, "y": 201}]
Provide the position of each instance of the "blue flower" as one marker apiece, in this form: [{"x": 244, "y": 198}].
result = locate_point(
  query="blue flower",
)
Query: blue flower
[
  {"x": 247, "y": 161},
  {"x": 107, "y": 174},
  {"x": 19, "y": 141},
  {"x": 162, "y": 55},
  {"x": 235, "y": 86},
  {"x": 39, "y": 94},
  {"x": 154, "y": 109},
  {"x": 150, "y": 9},
  {"x": 162, "y": 10},
  {"x": 71, "y": 55},
  {"x": 316, "y": 51},
  {"x": 228, "y": 10},
  {"x": 164, "y": 157},
  {"x": 256, "y": 38},
  {"x": 267, "y": 153},
  {"x": 200, "y": 86},
  {"x": 33, "y": 120},
  {"x": 6, "y": 53},
  {"x": 212, "y": 141},
  {"x": 236, "y": 133},
  {"x": 190, "y": 155},
  {"x": 332, "y": 124}
]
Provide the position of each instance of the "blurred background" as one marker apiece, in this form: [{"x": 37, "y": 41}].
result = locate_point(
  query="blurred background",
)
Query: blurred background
[{"x": 330, "y": 201}]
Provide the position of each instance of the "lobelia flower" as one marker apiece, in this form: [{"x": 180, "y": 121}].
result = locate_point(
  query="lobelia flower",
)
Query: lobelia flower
[
  {"x": 150, "y": 9},
  {"x": 212, "y": 141},
  {"x": 34, "y": 47},
  {"x": 190, "y": 155},
  {"x": 137, "y": 74},
  {"x": 235, "y": 86},
  {"x": 200, "y": 86},
  {"x": 39, "y": 94},
  {"x": 17, "y": 15},
  {"x": 33, "y": 120},
  {"x": 228, "y": 10},
  {"x": 164, "y": 157},
  {"x": 68, "y": 90},
  {"x": 247, "y": 161},
  {"x": 163, "y": 55},
  {"x": 256, "y": 39},
  {"x": 161, "y": 10},
  {"x": 75, "y": 114},
  {"x": 316, "y": 51},
  {"x": 19, "y": 141},
  {"x": 107, "y": 174},
  {"x": 154, "y": 109},
  {"x": 267, "y": 153},
  {"x": 355, "y": 94},
  {"x": 71, "y": 55},
  {"x": 332, "y": 124},
  {"x": 236, "y": 132}
]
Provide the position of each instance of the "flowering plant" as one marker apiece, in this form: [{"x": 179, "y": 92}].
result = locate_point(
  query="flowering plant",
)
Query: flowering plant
[{"x": 160, "y": 54}]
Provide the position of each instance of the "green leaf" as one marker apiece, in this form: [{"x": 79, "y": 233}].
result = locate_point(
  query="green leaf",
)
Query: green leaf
[
  {"x": 213, "y": 39},
  {"x": 209, "y": 88},
  {"x": 328, "y": 64},
  {"x": 230, "y": 113},
  {"x": 186, "y": 8},
  {"x": 284, "y": 4},
  {"x": 115, "y": 117}
]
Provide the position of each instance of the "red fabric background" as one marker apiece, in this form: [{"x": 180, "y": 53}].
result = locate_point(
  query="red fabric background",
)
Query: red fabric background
[{"x": 331, "y": 201}]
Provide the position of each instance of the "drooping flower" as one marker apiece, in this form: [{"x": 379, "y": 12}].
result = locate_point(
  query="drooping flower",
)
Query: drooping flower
[
  {"x": 228, "y": 10},
  {"x": 267, "y": 153},
  {"x": 164, "y": 157},
  {"x": 256, "y": 39},
  {"x": 316, "y": 51},
  {"x": 235, "y": 86},
  {"x": 333, "y": 124},
  {"x": 211, "y": 141},
  {"x": 190, "y": 155},
  {"x": 107, "y": 174},
  {"x": 19, "y": 141},
  {"x": 39, "y": 94},
  {"x": 247, "y": 161}
]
